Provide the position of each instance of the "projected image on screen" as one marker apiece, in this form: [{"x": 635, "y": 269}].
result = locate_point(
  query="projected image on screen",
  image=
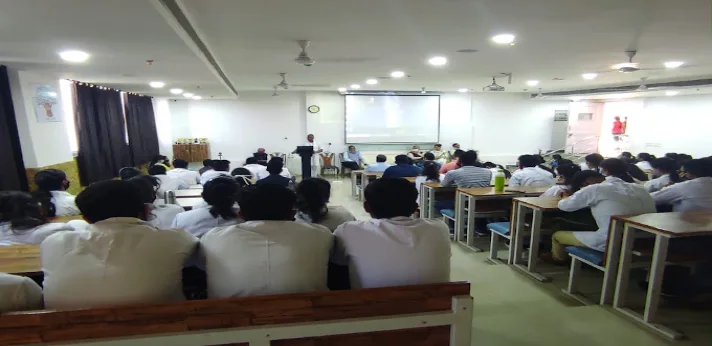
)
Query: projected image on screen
[{"x": 392, "y": 119}]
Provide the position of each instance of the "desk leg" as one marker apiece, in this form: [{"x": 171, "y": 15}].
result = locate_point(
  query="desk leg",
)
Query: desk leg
[
  {"x": 624, "y": 267},
  {"x": 471, "y": 224},
  {"x": 459, "y": 216},
  {"x": 657, "y": 269},
  {"x": 353, "y": 185},
  {"x": 534, "y": 241},
  {"x": 431, "y": 203},
  {"x": 513, "y": 232},
  {"x": 613, "y": 255},
  {"x": 518, "y": 238}
]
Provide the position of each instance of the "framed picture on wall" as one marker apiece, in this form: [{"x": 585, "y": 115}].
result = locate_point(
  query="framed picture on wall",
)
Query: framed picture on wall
[{"x": 46, "y": 104}]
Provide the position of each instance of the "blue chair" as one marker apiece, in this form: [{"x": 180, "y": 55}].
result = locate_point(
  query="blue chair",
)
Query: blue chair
[{"x": 499, "y": 229}]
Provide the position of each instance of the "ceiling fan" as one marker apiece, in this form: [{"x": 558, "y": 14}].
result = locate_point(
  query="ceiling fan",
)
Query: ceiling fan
[
  {"x": 283, "y": 84},
  {"x": 496, "y": 87},
  {"x": 275, "y": 93},
  {"x": 303, "y": 58}
]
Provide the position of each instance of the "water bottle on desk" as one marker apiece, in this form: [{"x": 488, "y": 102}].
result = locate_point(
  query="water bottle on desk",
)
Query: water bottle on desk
[{"x": 499, "y": 181}]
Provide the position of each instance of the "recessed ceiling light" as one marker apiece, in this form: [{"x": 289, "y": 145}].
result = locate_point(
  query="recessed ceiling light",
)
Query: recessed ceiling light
[
  {"x": 673, "y": 64},
  {"x": 671, "y": 92},
  {"x": 355, "y": 86},
  {"x": 342, "y": 90},
  {"x": 176, "y": 91},
  {"x": 371, "y": 81},
  {"x": 196, "y": 97},
  {"x": 463, "y": 90},
  {"x": 74, "y": 56},
  {"x": 397, "y": 74},
  {"x": 52, "y": 94},
  {"x": 589, "y": 75},
  {"x": 532, "y": 82},
  {"x": 437, "y": 61},
  {"x": 188, "y": 95},
  {"x": 157, "y": 84},
  {"x": 576, "y": 98},
  {"x": 503, "y": 39}
]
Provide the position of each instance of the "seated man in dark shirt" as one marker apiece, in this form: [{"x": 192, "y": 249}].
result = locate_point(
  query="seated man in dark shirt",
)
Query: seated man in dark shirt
[
  {"x": 260, "y": 155},
  {"x": 274, "y": 168},
  {"x": 402, "y": 169}
]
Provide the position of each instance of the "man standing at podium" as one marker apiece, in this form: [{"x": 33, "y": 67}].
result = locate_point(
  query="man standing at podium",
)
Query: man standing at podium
[{"x": 315, "y": 159}]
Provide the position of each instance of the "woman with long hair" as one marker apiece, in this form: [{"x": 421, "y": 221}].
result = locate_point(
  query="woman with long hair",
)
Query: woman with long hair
[
  {"x": 159, "y": 215},
  {"x": 52, "y": 185},
  {"x": 22, "y": 220},
  {"x": 564, "y": 183},
  {"x": 616, "y": 168},
  {"x": 221, "y": 196},
  {"x": 312, "y": 199},
  {"x": 666, "y": 170}
]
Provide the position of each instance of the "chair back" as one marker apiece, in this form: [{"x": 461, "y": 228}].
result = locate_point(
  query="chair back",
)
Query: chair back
[{"x": 327, "y": 159}]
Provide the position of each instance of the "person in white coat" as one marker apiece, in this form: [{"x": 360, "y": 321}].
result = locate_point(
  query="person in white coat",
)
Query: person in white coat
[
  {"x": 606, "y": 196},
  {"x": 312, "y": 199},
  {"x": 564, "y": 184},
  {"x": 694, "y": 194},
  {"x": 219, "y": 168},
  {"x": 118, "y": 259},
  {"x": 19, "y": 293},
  {"x": 220, "y": 195},
  {"x": 181, "y": 172},
  {"x": 666, "y": 171},
  {"x": 160, "y": 215},
  {"x": 167, "y": 183},
  {"x": 315, "y": 160},
  {"x": 529, "y": 174},
  {"x": 52, "y": 185},
  {"x": 258, "y": 171}
]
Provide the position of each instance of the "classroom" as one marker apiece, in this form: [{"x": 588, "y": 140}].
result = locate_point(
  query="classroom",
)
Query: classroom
[{"x": 374, "y": 172}]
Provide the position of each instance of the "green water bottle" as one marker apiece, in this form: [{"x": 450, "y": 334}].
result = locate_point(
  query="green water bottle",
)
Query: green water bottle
[{"x": 499, "y": 181}]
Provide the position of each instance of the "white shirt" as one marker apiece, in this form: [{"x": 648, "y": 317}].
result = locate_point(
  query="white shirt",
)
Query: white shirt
[
  {"x": 199, "y": 221},
  {"x": 169, "y": 184},
  {"x": 689, "y": 195},
  {"x": 212, "y": 174},
  {"x": 162, "y": 216},
  {"x": 644, "y": 166},
  {"x": 658, "y": 183},
  {"x": 115, "y": 261},
  {"x": 609, "y": 198},
  {"x": 315, "y": 160},
  {"x": 266, "y": 257},
  {"x": 19, "y": 293},
  {"x": 531, "y": 176},
  {"x": 30, "y": 236},
  {"x": 187, "y": 176},
  {"x": 335, "y": 217},
  {"x": 394, "y": 252},
  {"x": 64, "y": 203},
  {"x": 258, "y": 171},
  {"x": 556, "y": 190},
  {"x": 419, "y": 180}
]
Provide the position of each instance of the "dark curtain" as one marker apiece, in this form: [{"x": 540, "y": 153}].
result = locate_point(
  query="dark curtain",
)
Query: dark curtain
[
  {"x": 99, "y": 119},
  {"x": 12, "y": 168},
  {"x": 141, "y": 128}
]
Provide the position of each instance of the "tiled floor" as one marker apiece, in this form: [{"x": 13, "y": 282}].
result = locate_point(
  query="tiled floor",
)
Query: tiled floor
[{"x": 511, "y": 309}]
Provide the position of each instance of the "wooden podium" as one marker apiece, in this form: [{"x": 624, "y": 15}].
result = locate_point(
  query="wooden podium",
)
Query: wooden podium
[{"x": 191, "y": 152}]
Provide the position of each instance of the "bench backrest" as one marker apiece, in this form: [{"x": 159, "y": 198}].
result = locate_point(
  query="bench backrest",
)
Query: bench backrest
[{"x": 434, "y": 314}]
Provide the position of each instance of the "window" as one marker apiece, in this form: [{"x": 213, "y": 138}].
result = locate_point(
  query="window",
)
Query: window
[{"x": 65, "y": 89}]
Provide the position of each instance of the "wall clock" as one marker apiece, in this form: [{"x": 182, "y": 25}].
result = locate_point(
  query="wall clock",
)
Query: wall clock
[{"x": 313, "y": 109}]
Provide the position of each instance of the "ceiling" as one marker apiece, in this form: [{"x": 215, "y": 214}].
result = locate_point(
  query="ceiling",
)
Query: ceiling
[{"x": 252, "y": 41}]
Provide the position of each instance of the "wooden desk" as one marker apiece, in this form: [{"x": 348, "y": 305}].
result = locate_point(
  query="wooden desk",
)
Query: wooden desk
[
  {"x": 190, "y": 193},
  {"x": 410, "y": 179},
  {"x": 429, "y": 193},
  {"x": 188, "y": 202},
  {"x": 355, "y": 179},
  {"x": 538, "y": 206},
  {"x": 20, "y": 259},
  {"x": 663, "y": 226}
]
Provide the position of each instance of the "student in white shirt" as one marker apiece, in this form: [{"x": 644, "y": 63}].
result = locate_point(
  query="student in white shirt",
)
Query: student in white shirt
[
  {"x": 563, "y": 186},
  {"x": 380, "y": 166},
  {"x": 220, "y": 194},
  {"x": 159, "y": 215},
  {"x": 243, "y": 176},
  {"x": 220, "y": 168},
  {"x": 694, "y": 194},
  {"x": 393, "y": 249},
  {"x": 181, "y": 172},
  {"x": 312, "y": 198},
  {"x": 644, "y": 162},
  {"x": 118, "y": 259},
  {"x": 430, "y": 173},
  {"x": 52, "y": 185},
  {"x": 666, "y": 171},
  {"x": 258, "y": 171},
  {"x": 167, "y": 183},
  {"x": 269, "y": 253},
  {"x": 19, "y": 293},
  {"x": 529, "y": 174},
  {"x": 606, "y": 196},
  {"x": 592, "y": 162},
  {"x": 23, "y": 222}
]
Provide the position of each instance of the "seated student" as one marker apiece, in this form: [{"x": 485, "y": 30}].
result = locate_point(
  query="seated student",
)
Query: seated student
[
  {"x": 454, "y": 164},
  {"x": 691, "y": 195},
  {"x": 644, "y": 160},
  {"x": 19, "y": 293},
  {"x": 606, "y": 196},
  {"x": 563, "y": 185},
  {"x": 159, "y": 215},
  {"x": 429, "y": 157},
  {"x": 592, "y": 161},
  {"x": 118, "y": 259},
  {"x": 181, "y": 172},
  {"x": 127, "y": 173},
  {"x": 219, "y": 168},
  {"x": 353, "y": 159},
  {"x": 429, "y": 174},
  {"x": 542, "y": 165},
  {"x": 207, "y": 166},
  {"x": 626, "y": 154},
  {"x": 269, "y": 253},
  {"x": 666, "y": 171},
  {"x": 415, "y": 154},
  {"x": 166, "y": 183},
  {"x": 242, "y": 176},
  {"x": 402, "y": 169},
  {"x": 52, "y": 185},
  {"x": 258, "y": 171},
  {"x": 529, "y": 174},
  {"x": 469, "y": 175},
  {"x": 380, "y": 166},
  {"x": 634, "y": 171},
  {"x": 220, "y": 195},
  {"x": 616, "y": 168},
  {"x": 393, "y": 249},
  {"x": 274, "y": 168},
  {"x": 312, "y": 198},
  {"x": 22, "y": 220},
  {"x": 558, "y": 161},
  {"x": 451, "y": 153},
  {"x": 161, "y": 160}
]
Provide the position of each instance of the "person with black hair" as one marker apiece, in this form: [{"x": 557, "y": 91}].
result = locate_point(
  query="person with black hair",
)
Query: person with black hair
[
  {"x": 393, "y": 249},
  {"x": 626, "y": 154},
  {"x": 312, "y": 197},
  {"x": 606, "y": 197},
  {"x": 430, "y": 157},
  {"x": 691, "y": 195},
  {"x": 468, "y": 175},
  {"x": 257, "y": 170},
  {"x": 274, "y": 168},
  {"x": 439, "y": 155},
  {"x": 430, "y": 174},
  {"x": 634, "y": 171},
  {"x": 127, "y": 173},
  {"x": 494, "y": 168},
  {"x": 644, "y": 162},
  {"x": 616, "y": 168},
  {"x": 161, "y": 160},
  {"x": 352, "y": 159},
  {"x": 269, "y": 253},
  {"x": 564, "y": 183},
  {"x": 451, "y": 152},
  {"x": 402, "y": 169},
  {"x": 181, "y": 172},
  {"x": 380, "y": 166},
  {"x": 243, "y": 176},
  {"x": 207, "y": 166},
  {"x": 166, "y": 183},
  {"x": 159, "y": 215},
  {"x": 666, "y": 170},
  {"x": 454, "y": 163},
  {"x": 544, "y": 167},
  {"x": 592, "y": 161},
  {"x": 220, "y": 194},
  {"x": 19, "y": 293},
  {"x": 220, "y": 168},
  {"x": 119, "y": 259},
  {"x": 529, "y": 174},
  {"x": 52, "y": 185},
  {"x": 22, "y": 220}
]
